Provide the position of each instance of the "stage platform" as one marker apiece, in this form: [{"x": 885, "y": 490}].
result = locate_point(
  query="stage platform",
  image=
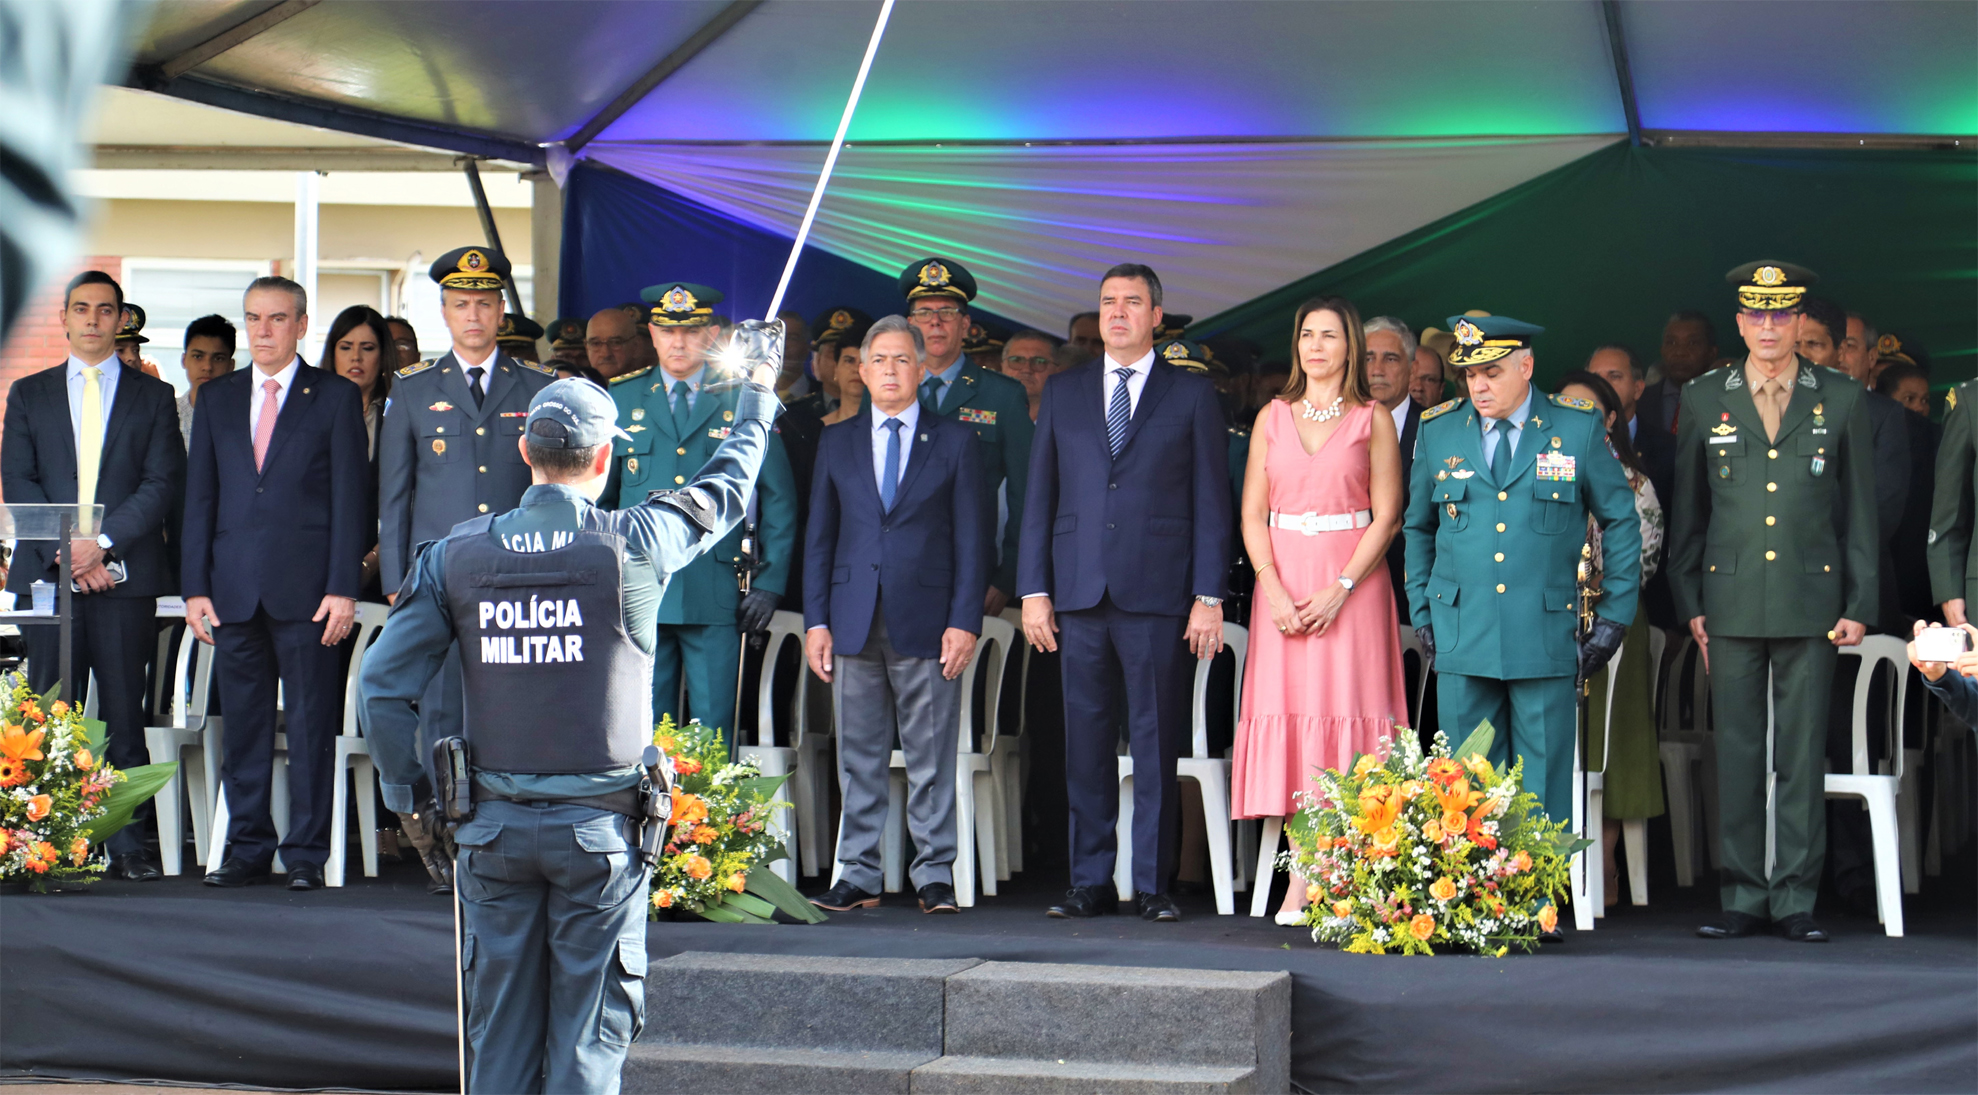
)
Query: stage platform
[{"x": 349, "y": 988}]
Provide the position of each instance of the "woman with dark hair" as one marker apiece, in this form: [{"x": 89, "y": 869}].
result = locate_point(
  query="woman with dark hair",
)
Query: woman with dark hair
[
  {"x": 1321, "y": 500},
  {"x": 1632, "y": 760},
  {"x": 360, "y": 349}
]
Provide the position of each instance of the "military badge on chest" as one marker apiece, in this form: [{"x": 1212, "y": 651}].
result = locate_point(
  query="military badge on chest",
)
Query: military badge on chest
[{"x": 1557, "y": 467}]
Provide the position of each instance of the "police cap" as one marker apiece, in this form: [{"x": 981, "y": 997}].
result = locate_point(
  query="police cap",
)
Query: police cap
[
  {"x": 516, "y": 328},
  {"x": 573, "y": 413},
  {"x": 937, "y": 277},
  {"x": 833, "y": 325},
  {"x": 132, "y": 330},
  {"x": 1483, "y": 339},
  {"x": 567, "y": 334},
  {"x": 680, "y": 304},
  {"x": 471, "y": 268}
]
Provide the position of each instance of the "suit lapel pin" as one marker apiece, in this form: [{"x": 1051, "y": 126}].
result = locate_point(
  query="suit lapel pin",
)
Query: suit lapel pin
[{"x": 923, "y": 437}]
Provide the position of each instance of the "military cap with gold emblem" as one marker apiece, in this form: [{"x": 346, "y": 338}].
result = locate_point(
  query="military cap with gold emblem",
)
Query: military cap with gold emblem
[
  {"x": 518, "y": 330},
  {"x": 832, "y": 325},
  {"x": 470, "y": 268},
  {"x": 566, "y": 334},
  {"x": 1894, "y": 346},
  {"x": 680, "y": 304},
  {"x": 937, "y": 277},
  {"x": 1483, "y": 339},
  {"x": 1173, "y": 324},
  {"x": 1193, "y": 356},
  {"x": 983, "y": 338},
  {"x": 1771, "y": 286},
  {"x": 133, "y": 327}
]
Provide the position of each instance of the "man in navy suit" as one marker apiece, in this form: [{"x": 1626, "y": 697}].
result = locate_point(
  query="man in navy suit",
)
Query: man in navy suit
[
  {"x": 896, "y": 569},
  {"x": 93, "y": 429},
  {"x": 277, "y": 523},
  {"x": 1125, "y": 551}
]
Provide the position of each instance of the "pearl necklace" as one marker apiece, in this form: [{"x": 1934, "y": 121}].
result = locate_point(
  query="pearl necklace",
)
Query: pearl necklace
[{"x": 1313, "y": 414}]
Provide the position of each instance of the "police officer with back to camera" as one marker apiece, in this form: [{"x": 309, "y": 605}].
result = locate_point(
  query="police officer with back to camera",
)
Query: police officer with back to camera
[
  {"x": 1772, "y": 561},
  {"x": 447, "y": 451},
  {"x": 1503, "y": 485},
  {"x": 553, "y": 606},
  {"x": 673, "y": 415}
]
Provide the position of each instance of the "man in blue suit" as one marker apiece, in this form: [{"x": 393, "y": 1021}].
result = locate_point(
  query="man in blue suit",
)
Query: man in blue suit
[
  {"x": 277, "y": 523},
  {"x": 897, "y": 564},
  {"x": 1125, "y": 550}
]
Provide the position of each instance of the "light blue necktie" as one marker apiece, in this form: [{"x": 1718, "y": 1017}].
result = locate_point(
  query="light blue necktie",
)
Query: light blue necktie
[
  {"x": 1500, "y": 454},
  {"x": 680, "y": 408},
  {"x": 1120, "y": 411},
  {"x": 889, "y": 478},
  {"x": 930, "y": 394}
]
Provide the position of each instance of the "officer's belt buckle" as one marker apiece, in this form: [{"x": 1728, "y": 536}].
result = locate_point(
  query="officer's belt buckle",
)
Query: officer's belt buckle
[{"x": 1311, "y": 524}]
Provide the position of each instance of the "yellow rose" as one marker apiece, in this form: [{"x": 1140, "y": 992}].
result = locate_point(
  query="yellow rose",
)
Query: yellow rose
[
  {"x": 1443, "y": 889},
  {"x": 1548, "y": 918},
  {"x": 1432, "y": 832},
  {"x": 1422, "y": 927},
  {"x": 736, "y": 881},
  {"x": 1365, "y": 764},
  {"x": 1387, "y": 842},
  {"x": 1342, "y": 909}
]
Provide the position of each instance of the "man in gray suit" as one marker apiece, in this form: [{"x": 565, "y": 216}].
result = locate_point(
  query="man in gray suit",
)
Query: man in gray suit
[
  {"x": 447, "y": 451},
  {"x": 897, "y": 566}
]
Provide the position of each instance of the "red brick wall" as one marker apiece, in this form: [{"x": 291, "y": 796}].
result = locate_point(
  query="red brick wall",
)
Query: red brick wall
[{"x": 36, "y": 341}]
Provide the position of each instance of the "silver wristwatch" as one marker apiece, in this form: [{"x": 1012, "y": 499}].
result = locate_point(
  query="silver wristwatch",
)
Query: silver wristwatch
[
  {"x": 1211, "y": 602},
  {"x": 1347, "y": 582}
]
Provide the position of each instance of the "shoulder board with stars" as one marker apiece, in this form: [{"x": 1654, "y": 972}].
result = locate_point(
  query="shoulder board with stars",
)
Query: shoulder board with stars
[
  {"x": 1950, "y": 400},
  {"x": 1569, "y": 401},
  {"x": 1441, "y": 409},
  {"x": 416, "y": 368},
  {"x": 537, "y": 366},
  {"x": 630, "y": 376}
]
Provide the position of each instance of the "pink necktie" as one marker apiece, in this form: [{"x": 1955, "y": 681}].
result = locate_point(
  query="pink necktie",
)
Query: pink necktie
[{"x": 264, "y": 430}]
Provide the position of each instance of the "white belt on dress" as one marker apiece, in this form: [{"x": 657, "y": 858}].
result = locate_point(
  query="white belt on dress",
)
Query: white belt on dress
[{"x": 1311, "y": 524}]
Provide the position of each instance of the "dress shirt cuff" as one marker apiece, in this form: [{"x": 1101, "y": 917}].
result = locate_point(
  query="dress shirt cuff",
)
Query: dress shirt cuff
[
  {"x": 398, "y": 797},
  {"x": 1028, "y": 596},
  {"x": 817, "y": 627}
]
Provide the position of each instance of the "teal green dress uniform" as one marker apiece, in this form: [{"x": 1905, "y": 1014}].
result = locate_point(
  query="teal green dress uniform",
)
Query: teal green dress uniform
[
  {"x": 995, "y": 406},
  {"x": 1953, "y": 565},
  {"x": 699, "y": 640},
  {"x": 1492, "y": 564},
  {"x": 553, "y": 944}
]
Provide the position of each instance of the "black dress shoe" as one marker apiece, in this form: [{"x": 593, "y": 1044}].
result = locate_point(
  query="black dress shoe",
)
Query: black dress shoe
[
  {"x": 938, "y": 897},
  {"x": 1086, "y": 901},
  {"x": 845, "y": 897},
  {"x": 137, "y": 867},
  {"x": 1157, "y": 907},
  {"x": 235, "y": 873},
  {"x": 1553, "y": 936},
  {"x": 1800, "y": 928},
  {"x": 305, "y": 876},
  {"x": 1736, "y": 925}
]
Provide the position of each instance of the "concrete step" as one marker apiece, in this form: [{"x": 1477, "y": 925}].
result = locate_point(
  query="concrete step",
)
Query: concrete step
[
  {"x": 655, "y": 1068},
  {"x": 855, "y": 1005},
  {"x": 1028, "y": 1076},
  {"x": 1124, "y": 1017}
]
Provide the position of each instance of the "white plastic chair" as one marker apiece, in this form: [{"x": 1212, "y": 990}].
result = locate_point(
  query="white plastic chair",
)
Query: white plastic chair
[
  {"x": 190, "y": 731},
  {"x": 1588, "y": 880},
  {"x": 1879, "y": 791},
  {"x": 1688, "y": 756},
  {"x": 1011, "y": 760},
  {"x": 354, "y": 756},
  {"x": 1424, "y": 674},
  {"x": 1210, "y": 773},
  {"x": 798, "y": 832}
]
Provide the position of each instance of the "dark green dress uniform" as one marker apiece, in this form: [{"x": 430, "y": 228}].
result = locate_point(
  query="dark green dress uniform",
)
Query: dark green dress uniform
[
  {"x": 994, "y": 405},
  {"x": 445, "y": 457},
  {"x": 699, "y": 640},
  {"x": 1953, "y": 565},
  {"x": 1772, "y": 541},
  {"x": 1492, "y": 565},
  {"x": 553, "y": 891}
]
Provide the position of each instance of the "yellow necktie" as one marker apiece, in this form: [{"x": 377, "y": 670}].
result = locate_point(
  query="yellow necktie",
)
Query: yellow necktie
[{"x": 89, "y": 448}]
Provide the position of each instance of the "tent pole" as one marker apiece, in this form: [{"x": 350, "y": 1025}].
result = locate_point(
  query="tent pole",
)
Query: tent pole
[
  {"x": 1624, "y": 74},
  {"x": 830, "y": 160},
  {"x": 468, "y": 164}
]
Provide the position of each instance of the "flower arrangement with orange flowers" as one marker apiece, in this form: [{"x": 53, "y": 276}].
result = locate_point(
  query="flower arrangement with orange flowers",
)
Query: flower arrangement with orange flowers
[
  {"x": 721, "y": 835},
  {"x": 1428, "y": 850},
  {"x": 58, "y": 797}
]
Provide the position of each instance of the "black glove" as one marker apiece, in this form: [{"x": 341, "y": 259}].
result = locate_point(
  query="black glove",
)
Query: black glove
[
  {"x": 757, "y": 606},
  {"x": 1599, "y": 645},
  {"x": 432, "y": 849},
  {"x": 1426, "y": 636}
]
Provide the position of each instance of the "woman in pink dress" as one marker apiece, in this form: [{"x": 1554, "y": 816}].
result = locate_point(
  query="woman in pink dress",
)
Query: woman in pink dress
[{"x": 1321, "y": 500}]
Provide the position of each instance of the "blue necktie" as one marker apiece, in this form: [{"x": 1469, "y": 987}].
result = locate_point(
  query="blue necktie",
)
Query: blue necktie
[
  {"x": 889, "y": 478},
  {"x": 1120, "y": 411},
  {"x": 930, "y": 394},
  {"x": 680, "y": 408},
  {"x": 1500, "y": 454}
]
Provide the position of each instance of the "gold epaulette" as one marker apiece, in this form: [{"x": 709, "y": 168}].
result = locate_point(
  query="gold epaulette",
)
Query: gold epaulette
[
  {"x": 631, "y": 375},
  {"x": 546, "y": 370},
  {"x": 1441, "y": 409},
  {"x": 1570, "y": 401},
  {"x": 416, "y": 368}
]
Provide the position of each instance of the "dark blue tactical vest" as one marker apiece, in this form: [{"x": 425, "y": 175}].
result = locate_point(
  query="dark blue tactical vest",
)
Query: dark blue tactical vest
[{"x": 554, "y": 683}]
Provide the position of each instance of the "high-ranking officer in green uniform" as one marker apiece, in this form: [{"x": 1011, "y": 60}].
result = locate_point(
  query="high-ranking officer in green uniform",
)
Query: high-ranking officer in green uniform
[
  {"x": 674, "y": 415},
  {"x": 552, "y": 606},
  {"x": 446, "y": 449},
  {"x": 938, "y": 291},
  {"x": 1497, "y": 514},
  {"x": 1772, "y": 563},
  {"x": 1953, "y": 565}
]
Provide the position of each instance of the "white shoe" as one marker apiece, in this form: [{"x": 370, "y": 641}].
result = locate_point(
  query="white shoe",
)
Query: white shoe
[{"x": 1288, "y": 918}]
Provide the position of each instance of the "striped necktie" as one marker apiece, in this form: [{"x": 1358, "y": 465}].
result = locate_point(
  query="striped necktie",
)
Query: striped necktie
[{"x": 1120, "y": 411}]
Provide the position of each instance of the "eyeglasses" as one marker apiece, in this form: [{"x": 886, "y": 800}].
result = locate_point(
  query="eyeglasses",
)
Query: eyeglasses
[
  {"x": 935, "y": 315},
  {"x": 618, "y": 343},
  {"x": 1042, "y": 362},
  {"x": 1765, "y": 317}
]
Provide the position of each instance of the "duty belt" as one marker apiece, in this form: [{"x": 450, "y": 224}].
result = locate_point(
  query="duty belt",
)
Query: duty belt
[
  {"x": 1311, "y": 524},
  {"x": 618, "y": 802}
]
